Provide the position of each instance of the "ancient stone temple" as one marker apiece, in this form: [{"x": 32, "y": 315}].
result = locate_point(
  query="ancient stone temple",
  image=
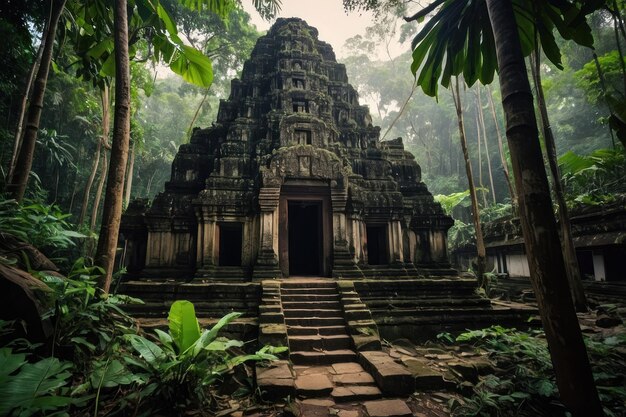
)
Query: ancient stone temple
[
  {"x": 291, "y": 180},
  {"x": 290, "y": 210}
]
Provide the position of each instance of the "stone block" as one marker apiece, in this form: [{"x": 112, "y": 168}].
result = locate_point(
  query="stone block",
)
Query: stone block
[
  {"x": 391, "y": 377},
  {"x": 315, "y": 385},
  {"x": 387, "y": 408}
]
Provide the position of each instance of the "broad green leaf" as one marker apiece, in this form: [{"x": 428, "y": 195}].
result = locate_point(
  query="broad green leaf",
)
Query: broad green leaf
[
  {"x": 170, "y": 26},
  {"x": 223, "y": 344},
  {"x": 108, "y": 67},
  {"x": 183, "y": 324},
  {"x": 209, "y": 336},
  {"x": 165, "y": 338},
  {"x": 110, "y": 374},
  {"x": 193, "y": 66},
  {"x": 466, "y": 23},
  {"x": 10, "y": 362},
  {"x": 100, "y": 48},
  {"x": 147, "y": 349},
  {"x": 570, "y": 163},
  {"x": 33, "y": 382}
]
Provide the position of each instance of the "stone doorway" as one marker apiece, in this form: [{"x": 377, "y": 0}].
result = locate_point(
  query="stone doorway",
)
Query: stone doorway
[
  {"x": 305, "y": 231},
  {"x": 305, "y": 237}
]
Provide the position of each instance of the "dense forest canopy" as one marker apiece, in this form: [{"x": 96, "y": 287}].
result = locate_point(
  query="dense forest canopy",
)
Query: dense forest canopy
[{"x": 165, "y": 108}]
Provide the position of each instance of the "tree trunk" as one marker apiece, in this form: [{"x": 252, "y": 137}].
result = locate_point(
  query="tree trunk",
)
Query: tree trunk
[
  {"x": 17, "y": 185},
  {"x": 195, "y": 115},
  {"x": 81, "y": 153},
  {"x": 545, "y": 259},
  {"x": 105, "y": 102},
  {"x": 481, "y": 118},
  {"x": 505, "y": 164},
  {"x": 129, "y": 174},
  {"x": 604, "y": 92},
  {"x": 112, "y": 211},
  {"x": 98, "y": 196},
  {"x": 17, "y": 140},
  {"x": 480, "y": 161},
  {"x": 481, "y": 258},
  {"x": 569, "y": 251}
]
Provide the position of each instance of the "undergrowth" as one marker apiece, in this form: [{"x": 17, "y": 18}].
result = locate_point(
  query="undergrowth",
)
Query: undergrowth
[
  {"x": 524, "y": 383},
  {"x": 98, "y": 362}
]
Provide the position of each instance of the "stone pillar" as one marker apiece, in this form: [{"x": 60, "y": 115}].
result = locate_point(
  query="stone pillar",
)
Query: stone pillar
[
  {"x": 267, "y": 261},
  {"x": 343, "y": 262},
  {"x": 207, "y": 246},
  {"x": 199, "y": 240},
  {"x": 395, "y": 243}
]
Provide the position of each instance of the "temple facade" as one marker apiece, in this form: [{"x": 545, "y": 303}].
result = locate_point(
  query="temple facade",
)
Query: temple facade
[{"x": 291, "y": 180}]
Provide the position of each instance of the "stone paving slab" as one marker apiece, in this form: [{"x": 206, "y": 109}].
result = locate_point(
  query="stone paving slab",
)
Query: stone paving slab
[
  {"x": 355, "y": 393},
  {"x": 312, "y": 370},
  {"x": 387, "y": 408},
  {"x": 321, "y": 402},
  {"x": 317, "y": 385},
  {"x": 360, "y": 378},
  {"x": 347, "y": 413},
  {"x": 347, "y": 368}
]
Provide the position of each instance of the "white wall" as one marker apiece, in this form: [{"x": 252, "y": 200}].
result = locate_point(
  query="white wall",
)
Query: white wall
[
  {"x": 599, "y": 272},
  {"x": 517, "y": 266}
]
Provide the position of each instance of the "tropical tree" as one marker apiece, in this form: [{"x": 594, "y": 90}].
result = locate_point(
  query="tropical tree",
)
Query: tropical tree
[
  {"x": 481, "y": 259},
  {"x": 474, "y": 38},
  {"x": 548, "y": 273},
  {"x": 16, "y": 185},
  {"x": 569, "y": 251}
]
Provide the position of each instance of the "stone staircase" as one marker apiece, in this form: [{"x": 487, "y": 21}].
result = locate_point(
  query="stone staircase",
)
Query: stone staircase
[
  {"x": 321, "y": 349},
  {"x": 316, "y": 328},
  {"x": 322, "y": 322}
]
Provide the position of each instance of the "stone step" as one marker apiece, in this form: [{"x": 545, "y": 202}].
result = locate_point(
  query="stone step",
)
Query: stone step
[
  {"x": 322, "y": 357},
  {"x": 315, "y": 321},
  {"x": 311, "y": 304},
  {"x": 309, "y": 297},
  {"x": 291, "y": 313},
  {"x": 308, "y": 343},
  {"x": 313, "y": 386},
  {"x": 307, "y": 284},
  {"x": 423, "y": 303},
  {"x": 391, "y": 377},
  {"x": 320, "y": 330},
  {"x": 353, "y": 379},
  {"x": 351, "y": 393},
  {"x": 301, "y": 291}
]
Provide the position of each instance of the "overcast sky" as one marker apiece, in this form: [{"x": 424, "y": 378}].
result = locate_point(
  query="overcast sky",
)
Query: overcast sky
[{"x": 328, "y": 16}]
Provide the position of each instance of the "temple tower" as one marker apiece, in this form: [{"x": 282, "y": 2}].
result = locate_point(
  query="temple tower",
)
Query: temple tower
[{"x": 291, "y": 180}]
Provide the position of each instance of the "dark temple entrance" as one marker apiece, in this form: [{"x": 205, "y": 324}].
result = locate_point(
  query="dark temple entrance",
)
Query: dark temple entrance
[
  {"x": 305, "y": 237},
  {"x": 377, "y": 245}
]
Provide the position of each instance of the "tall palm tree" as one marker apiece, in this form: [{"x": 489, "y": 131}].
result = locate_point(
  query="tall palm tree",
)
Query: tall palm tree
[
  {"x": 547, "y": 268},
  {"x": 473, "y": 38}
]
